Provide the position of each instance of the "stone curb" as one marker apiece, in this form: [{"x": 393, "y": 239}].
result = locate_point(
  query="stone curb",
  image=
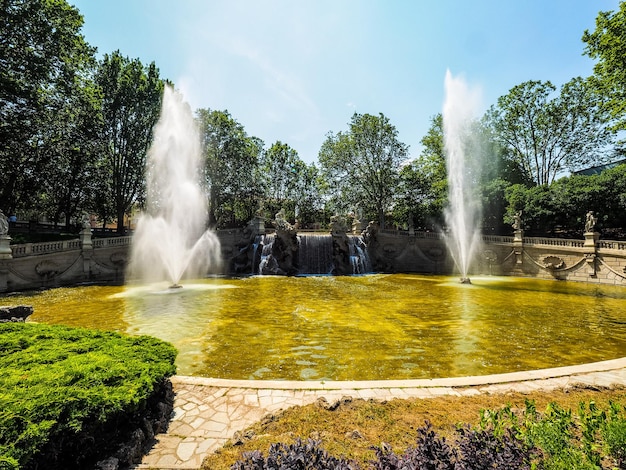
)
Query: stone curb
[{"x": 207, "y": 412}]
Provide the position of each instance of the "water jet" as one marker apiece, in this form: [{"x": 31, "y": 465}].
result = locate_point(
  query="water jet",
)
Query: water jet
[
  {"x": 171, "y": 241},
  {"x": 464, "y": 211}
]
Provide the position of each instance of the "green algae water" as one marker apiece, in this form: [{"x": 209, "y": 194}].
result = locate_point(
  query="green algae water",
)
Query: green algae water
[{"x": 370, "y": 327}]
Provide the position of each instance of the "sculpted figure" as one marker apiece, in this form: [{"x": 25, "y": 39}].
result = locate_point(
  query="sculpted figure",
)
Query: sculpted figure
[
  {"x": 590, "y": 222},
  {"x": 517, "y": 221},
  {"x": 4, "y": 224}
]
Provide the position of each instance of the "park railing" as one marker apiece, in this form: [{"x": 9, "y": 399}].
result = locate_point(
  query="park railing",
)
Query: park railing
[
  {"x": 561, "y": 242},
  {"x": 31, "y": 249}
]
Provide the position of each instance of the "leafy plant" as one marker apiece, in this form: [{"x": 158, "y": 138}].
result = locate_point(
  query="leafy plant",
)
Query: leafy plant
[
  {"x": 483, "y": 450},
  {"x": 301, "y": 455},
  {"x": 613, "y": 432}
]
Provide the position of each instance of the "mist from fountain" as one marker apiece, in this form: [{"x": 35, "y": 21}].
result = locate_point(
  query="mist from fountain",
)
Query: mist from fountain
[
  {"x": 464, "y": 208},
  {"x": 171, "y": 241}
]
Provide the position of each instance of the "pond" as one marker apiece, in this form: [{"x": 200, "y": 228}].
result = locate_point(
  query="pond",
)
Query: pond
[{"x": 371, "y": 327}]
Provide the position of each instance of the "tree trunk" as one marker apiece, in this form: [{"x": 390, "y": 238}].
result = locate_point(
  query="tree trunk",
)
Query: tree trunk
[
  {"x": 381, "y": 218},
  {"x": 121, "y": 229}
]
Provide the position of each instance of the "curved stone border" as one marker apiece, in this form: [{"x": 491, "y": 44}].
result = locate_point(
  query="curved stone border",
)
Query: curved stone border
[
  {"x": 207, "y": 412},
  {"x": 469, "y": 381}
]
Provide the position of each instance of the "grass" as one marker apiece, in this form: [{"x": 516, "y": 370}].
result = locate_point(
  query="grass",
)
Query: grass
[{"x": 352, "y": 429}]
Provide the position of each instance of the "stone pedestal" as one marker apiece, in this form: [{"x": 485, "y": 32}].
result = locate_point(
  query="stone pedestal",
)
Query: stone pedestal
[
  {"x": 5, "y": 247},
  {"x": 518, "y": 245},
  {"x": 358, "y": 226},
  {"x": 591, "y": 238},
  {"x": 85, "y": 238},
  {"x": 257, "y": 224},
  {"x": 87, "y": 249}
]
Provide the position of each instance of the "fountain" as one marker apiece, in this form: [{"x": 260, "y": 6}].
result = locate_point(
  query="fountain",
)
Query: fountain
[
  {"x": 171, "y": 241},
  {"x": 374, "y": 327},
  {"x": 464, "y": 209}
]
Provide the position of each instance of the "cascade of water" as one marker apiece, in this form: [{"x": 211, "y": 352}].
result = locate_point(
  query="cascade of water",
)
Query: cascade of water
[
  {"x": 171, "y": 240},
  {"x": 464, "y": 211},
  {"x": 266, "y": 250},
  {"x": 255, "y": 248},
  {"x": 315, "y": 255},
  {"x": 359, "y": 257}
]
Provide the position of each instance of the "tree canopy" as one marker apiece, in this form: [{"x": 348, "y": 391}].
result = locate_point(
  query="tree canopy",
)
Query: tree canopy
[
  {"x": 547, "y": 134},
  {"x": 231, "y": 167},
  {"x": 131, "y": 103},
  {"x": 43, "y": 59},
  {"x": 362, "y": 164},
  {"x": 607, "y": 44}
]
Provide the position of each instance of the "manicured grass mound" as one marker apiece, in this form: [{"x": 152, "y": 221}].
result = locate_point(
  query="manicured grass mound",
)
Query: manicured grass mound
[{"x": 63, "y": 391}]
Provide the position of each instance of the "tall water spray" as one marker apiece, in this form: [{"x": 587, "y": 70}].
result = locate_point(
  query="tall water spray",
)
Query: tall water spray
[
  {"x": 464, "y": 210},
  {"x": 171, "y": 241}
]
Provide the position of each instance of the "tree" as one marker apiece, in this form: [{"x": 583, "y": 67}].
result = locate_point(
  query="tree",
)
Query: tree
[
  {"x": 607, "y": 45},
  {"x": 423, "y": 182},
  {"x": 42, "y": 55},
  {"x": 131, "y": 103},
  {"x": 282, "y": 169},
  {"x": 548, "y": 135},
  {"x": 362, "y": 165},
  {"x": 69, "y": 182},
  {"x": 232, "y": 167}
]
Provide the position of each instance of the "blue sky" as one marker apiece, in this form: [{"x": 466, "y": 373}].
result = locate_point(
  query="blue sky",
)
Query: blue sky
[{"x": 294, "y": 70}]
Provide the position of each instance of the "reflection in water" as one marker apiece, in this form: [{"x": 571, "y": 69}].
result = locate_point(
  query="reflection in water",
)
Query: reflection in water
[{"x": 356, "y": 328}]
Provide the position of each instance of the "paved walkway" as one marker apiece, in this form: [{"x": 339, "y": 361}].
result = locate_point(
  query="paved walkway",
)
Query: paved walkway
[{"x": 207, "y": 412}]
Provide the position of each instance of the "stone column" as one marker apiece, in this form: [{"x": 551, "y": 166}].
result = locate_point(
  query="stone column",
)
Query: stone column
[
  {"x": 5, "y": 247},
  {"x": 6, "y": 255},
  {"x": 86, "y": 249},
  {"x": 590, "y": 247},
  {"x": 518, "y": 244}
]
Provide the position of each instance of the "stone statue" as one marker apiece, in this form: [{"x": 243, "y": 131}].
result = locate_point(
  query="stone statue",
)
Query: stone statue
[
  {"x": 590, "y": 222},
  {"x": 281, "y": 221},
  {"x": 338, "y": 224},
  {"x": 4, "y": 224},
  {"x": 86, "y": 222},
  {"x": 517, "y": 221}
]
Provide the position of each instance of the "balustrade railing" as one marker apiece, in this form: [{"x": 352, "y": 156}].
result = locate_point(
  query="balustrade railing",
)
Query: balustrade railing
[
  {"x": 564, "y": 242},
  {"x": 611, "y": 244},
  {"x": 108, "y": 242},
  {"x": 31, "y": 249}
]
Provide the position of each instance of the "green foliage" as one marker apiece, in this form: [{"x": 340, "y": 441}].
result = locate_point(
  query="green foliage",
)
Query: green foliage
[
  {"x": 56, "y": 381},
  {"x": 232, "y": 173},
  {"x": 564, "y": 442},
  {"x": 548, "y": 134},
  {"x": 131, "y": 104},
  {"x": 290, "y": 184},
  {"x": 362, "y": 165},
  {"x": 44, "y": 62},
  {"x": 560, "y": 208},
  {"x": 607, "y": 45}
]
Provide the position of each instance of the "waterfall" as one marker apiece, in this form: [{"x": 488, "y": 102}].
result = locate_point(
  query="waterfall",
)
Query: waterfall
[
  {"x": 359, "y": 258},
  {"x": 265, "y": 243},
  {"x": 315, "y": 255}
]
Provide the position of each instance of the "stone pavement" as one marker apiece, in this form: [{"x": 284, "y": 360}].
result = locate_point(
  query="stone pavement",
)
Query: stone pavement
[{"x": 207, "y": 412}]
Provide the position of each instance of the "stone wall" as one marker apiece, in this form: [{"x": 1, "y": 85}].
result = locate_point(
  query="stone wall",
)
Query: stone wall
[{"x": 104, "y": 260}]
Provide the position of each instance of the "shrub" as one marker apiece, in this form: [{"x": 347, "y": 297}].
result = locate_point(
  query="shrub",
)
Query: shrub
[
  {"x": 61, "y": 387},
  {"x": 297, "y": 456}
]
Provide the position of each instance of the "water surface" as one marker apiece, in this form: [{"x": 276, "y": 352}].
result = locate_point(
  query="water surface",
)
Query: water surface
[{"x": 356, "y": 328}]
